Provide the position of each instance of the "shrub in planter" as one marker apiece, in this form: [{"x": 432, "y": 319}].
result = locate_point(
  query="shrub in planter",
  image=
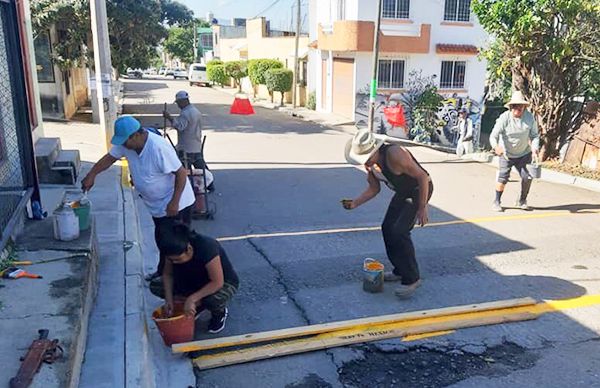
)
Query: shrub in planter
[
  {"x": 237, "y": 70},
  {"x": 217, "y": 74},
  {"x": 279, "y": 80},
  {"x": 312, "y": 101},
  {"x": 258, "y": 67}
]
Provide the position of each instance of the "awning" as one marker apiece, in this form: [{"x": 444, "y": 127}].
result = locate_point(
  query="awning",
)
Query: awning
[
  {"x": 242, "y": 46},
  {"x": 464, "y": 49}
]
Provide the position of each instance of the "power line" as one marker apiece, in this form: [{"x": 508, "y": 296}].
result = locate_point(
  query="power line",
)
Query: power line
[{"x": 268, "y": 8}]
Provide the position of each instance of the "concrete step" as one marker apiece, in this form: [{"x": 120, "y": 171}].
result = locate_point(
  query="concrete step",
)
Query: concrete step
[{"x": 46, "y": 152}]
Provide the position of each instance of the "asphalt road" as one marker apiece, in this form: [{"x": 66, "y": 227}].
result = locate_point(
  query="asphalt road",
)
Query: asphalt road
[{"x": 276, "y": 174}]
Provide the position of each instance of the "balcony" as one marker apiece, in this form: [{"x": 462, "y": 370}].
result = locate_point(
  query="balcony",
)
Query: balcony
[{"x": 357, "y": 35}]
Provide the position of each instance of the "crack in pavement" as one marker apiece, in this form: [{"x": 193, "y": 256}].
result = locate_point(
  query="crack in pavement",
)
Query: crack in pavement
[{"x": 280, "y": 280}]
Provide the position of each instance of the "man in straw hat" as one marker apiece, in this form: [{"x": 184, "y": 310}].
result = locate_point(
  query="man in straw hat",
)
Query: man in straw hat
[
  {"x": 515, "y": 139},
  {"x": 399, "y": 170}
]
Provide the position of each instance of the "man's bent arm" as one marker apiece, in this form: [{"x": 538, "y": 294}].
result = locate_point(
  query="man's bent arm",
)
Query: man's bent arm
[
  {"x": 105, "y": 162},
  {"x": 372, "y": 190},
  {"x": 180, "y": 180}
]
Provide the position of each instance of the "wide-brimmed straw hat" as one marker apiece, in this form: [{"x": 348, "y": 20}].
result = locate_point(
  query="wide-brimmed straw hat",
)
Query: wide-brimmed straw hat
[
  {"x": 362, "y": 146},
  {"x": 517, "y": 99}
]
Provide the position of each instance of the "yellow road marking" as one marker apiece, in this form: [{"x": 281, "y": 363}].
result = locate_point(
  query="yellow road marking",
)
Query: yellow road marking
[
  {"x": 479, "y": 220},
  {"x": 417, "y": 337},
  {"x": 124, "y": 173}
]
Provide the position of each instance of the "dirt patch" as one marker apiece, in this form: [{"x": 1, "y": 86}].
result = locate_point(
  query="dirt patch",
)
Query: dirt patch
[
  {"x": 572, "y": 169},
  {"x": 430, "y": 368}
]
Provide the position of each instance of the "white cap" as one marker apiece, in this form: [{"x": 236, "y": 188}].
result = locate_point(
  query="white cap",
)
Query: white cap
[{"x": 182, "y": 95}]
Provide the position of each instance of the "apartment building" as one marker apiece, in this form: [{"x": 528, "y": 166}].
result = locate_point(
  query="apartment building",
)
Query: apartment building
[{"x": 440, "y": 38}]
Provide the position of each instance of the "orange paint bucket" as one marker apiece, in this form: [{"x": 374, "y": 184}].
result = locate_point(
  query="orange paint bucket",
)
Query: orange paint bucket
[
  {"x": 176, "y": 329},
  {"x": 372, "y": 275}
]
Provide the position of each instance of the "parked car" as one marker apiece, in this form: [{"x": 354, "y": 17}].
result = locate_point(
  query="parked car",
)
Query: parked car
[
  {"x": 169, "y": 72},
  {"x": 162, "y": 71},
  {"x": 197, "y": 75},
  {"x": 137, "y": 73},
  {"x": 180, "y": 73}
]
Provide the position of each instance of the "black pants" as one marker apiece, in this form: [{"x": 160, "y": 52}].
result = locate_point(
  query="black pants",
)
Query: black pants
[
  {"x": 520, "y": 164},
  {"x": 399, "y": 220},
  {"x": 160, "y": 223},
  {"x": 192, "y": 159}
]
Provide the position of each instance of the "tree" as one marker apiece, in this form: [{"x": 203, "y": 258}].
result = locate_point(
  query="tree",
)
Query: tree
[
  {"x": 216, "y": 73},
  {"x": 279, "y": 80},
  {"x": 180, "y": 43},
  {"x": 237, "y": 70},
  {"x": 136, "y": 27},
  {"x": 550, "y": 50}
]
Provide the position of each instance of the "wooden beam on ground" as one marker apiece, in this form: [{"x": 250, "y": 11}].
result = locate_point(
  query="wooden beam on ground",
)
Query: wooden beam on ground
[
  {"x": 273, "y": 335},
  {"x": 354, "y": 336}
]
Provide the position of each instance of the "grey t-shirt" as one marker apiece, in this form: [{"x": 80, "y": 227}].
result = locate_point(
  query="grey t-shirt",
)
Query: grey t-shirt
[
  {"x": 514, "y": 134},
  {"x": 189, "y": 129}
]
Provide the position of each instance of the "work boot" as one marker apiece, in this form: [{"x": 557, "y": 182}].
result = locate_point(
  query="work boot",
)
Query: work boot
[
  {"x": 217, "y": 321},
  {"x": 405, "y": 291},
  {"x": 390, "y": 276},
  {"x": 497, "y": 207}
]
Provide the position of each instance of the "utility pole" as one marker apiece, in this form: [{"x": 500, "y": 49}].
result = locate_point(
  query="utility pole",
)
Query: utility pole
[
  {"x": 103, "y": 68},
  {"x": 195, "y": 41},
  {"x": 373, "y": 95},
  {"x": 296, "y": 63}
]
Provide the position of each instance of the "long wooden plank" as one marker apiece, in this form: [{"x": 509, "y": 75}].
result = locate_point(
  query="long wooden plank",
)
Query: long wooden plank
[
  {"x": 349, "y": 337},
  {"x": 272, "y": 335}
]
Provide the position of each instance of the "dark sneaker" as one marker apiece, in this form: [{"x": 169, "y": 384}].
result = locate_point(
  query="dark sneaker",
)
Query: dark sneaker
[
  {"x": 391, "y": 277},
  {"x": 405, "y": 291},
  {"x": 523, "y": 205},
  {"x": 217, "y": 322},
  {"x": 497, "y": 207}
]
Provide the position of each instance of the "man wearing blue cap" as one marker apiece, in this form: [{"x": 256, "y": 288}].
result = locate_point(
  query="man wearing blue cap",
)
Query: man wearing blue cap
[
  {"x": 189, "y": 130},
  {"x": 157, "y": 173}
]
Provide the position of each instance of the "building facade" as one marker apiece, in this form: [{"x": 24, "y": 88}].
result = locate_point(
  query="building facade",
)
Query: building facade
[
  {"x": 426, "y": 38},
  {"x": 257, "y": 41}
]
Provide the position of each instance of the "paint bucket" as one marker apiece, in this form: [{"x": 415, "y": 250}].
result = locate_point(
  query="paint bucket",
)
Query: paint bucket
[
  {"x": 82, "y": 207},
  {"x": 177, "y": 329},
  {"x": 534, "y": 170},
  {"x": 372, "y": 275},
  {"x": 65, "y": 224}
]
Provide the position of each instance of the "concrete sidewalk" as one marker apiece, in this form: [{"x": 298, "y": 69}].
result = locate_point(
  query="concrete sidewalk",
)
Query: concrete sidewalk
[{"x": 90, "y": 296}]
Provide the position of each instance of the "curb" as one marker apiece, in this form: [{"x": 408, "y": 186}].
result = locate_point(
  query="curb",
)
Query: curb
[{"x": 139, "y": 364}]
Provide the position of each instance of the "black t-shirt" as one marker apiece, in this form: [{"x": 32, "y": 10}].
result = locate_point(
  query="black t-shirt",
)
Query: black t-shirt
[{"x": 191, "y": 276}]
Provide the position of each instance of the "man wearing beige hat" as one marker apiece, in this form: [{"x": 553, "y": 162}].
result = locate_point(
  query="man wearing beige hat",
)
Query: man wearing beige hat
[
  {"x": 515, "y": 139},
  {"x": 399, "y": 170}
]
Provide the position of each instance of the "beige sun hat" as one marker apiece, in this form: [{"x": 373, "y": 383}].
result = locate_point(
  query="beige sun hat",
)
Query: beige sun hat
[
  {"x": 362, "y": 146},
  {"x": 517, "y": 99}
]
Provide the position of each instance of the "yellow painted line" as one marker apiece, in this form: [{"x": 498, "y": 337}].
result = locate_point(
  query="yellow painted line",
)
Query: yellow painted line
[
  {"x": 124, "y": 173},
  {"x": 479, "y": 220},
  {"x": 417, "y": 337}
]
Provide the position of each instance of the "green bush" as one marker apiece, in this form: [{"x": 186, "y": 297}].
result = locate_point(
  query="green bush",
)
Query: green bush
[
  {"x": 258, "y": 67},
  {"x": 312, "y": 101},
  {"x": 237, "y": 70},
  {"x": 279, "y": 80},
  {"x": 214, "y": 62},
  {"x": 216, "y": 73}
]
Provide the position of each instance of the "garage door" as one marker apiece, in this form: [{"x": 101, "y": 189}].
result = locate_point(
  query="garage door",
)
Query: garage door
[{"x": 343, "y": 87}]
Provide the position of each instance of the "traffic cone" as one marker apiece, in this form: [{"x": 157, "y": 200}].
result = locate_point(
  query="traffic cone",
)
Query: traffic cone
[{"x": 241, "y": 106}]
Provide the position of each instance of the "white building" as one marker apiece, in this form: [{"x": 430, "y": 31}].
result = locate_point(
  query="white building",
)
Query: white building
[{"x": 438, "y": 37}]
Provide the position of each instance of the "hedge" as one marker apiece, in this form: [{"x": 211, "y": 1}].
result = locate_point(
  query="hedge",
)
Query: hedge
[
  {"x": 258, "y": 67},
  {"x": 237, "y": 70},
  {"x": 217, "y": 74},
  {"x": 279, "y": 80}
]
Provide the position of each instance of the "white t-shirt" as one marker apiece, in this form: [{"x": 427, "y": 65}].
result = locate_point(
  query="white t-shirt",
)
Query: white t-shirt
[{"x": 153, "y": 175}]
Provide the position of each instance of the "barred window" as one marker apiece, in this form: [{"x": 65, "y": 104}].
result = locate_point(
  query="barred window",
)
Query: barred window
[
  {"x": 391, "y": 74},
  {"x": 457, "y": 10},
  {"x": 395, "y": 9},
  {"x": 453, "y": 75}
]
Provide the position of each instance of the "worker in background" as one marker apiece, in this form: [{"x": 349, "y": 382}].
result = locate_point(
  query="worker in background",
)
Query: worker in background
[{"x": 465, "y": 132}]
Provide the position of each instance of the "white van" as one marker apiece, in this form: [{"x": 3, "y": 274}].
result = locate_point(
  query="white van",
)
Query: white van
[{"x": 197, "y": 74}]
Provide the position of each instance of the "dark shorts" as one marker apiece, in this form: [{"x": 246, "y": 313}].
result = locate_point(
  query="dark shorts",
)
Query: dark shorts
[{"x": 519, "y": 163}]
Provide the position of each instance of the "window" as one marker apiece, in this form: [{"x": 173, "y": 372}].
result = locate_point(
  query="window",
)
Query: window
[
  {"x": 457, "y": 10},
  {"x": 390, "y": 74},
  {"x": 395, "y": 9},
  {"x": 43, "y": 51},
  {"x": 453, "y": 75},
  {"x": 341, "y": 10}
]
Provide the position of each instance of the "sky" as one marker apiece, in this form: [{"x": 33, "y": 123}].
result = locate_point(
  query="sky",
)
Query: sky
[{"x": 280, "y": 13}]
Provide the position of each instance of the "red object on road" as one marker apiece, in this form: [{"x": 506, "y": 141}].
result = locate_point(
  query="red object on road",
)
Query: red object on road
[
  {"x": 395, "y": 115},
  {"x": 241, "y": 106}
]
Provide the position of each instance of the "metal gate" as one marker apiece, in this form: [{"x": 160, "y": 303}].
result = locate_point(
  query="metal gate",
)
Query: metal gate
[{"x": 16, "y": 157}]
